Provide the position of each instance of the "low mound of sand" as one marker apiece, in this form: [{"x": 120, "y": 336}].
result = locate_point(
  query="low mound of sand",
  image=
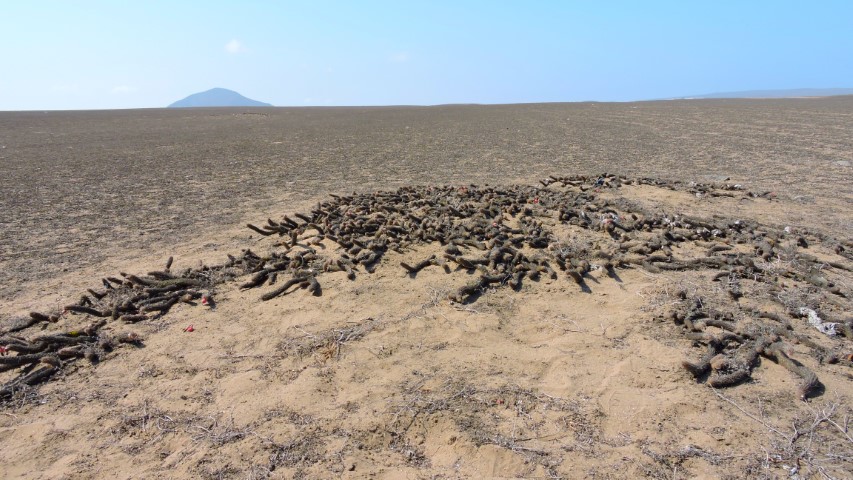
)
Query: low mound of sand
[{"x": 587, "y": 327}]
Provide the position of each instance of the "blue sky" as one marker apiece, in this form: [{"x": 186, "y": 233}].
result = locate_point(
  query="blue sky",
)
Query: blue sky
[{"x": 78, "y": 54}]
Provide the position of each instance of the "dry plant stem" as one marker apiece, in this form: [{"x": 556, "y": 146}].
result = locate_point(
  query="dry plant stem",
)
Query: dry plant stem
[
  {"x": 809, "y": 379},
  {"x": 753, "y": 417},
  {"x": 133, "y": 318},
  {"x": 314, "y": 286},
  {"x": 19, "y": 360},
  {"x": 418, "y": 266},
  {"x": 265, "y": 233},
  {"x": 257, "y": 279},
  {"x": 163, "y": 306},
  {"x": 22, "y": 324},
  {"x": 39, "y": 317},
  {"x": 86, "y": 310},
  {"x": 65, "y": 339},
  {"x": 729, "y": 380},
  {"x": 29, "y": 379},
  {"x": 280, "y": 290},
  {"x": 704, "y": 364}
]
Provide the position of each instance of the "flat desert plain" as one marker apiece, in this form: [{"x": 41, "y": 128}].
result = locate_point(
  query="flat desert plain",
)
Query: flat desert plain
[{"x": 608, "y": 290}]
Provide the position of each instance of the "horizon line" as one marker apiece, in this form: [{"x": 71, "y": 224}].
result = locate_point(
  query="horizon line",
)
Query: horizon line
[{"x": 473, "y": 104}]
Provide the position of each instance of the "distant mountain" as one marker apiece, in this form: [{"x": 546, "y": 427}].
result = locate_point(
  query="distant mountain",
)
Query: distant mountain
[
  {"x": 218, "y": 97},
  {"x": 796, "y": 92}
]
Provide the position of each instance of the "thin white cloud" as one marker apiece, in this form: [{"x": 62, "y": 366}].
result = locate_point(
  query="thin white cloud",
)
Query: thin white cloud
[
  {"x": 400, "y": 57},
  {"x": 62, "y": 88},
  {"x": 235, "y": 46},
  {"x": 123, "y": 89}
]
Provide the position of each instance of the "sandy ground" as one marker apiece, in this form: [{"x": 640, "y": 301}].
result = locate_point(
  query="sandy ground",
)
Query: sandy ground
[{"x": 384, "y": 377}]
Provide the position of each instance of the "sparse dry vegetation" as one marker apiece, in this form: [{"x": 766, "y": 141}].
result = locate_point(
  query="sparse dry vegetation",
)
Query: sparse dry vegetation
[{"x": 462, "y": 314}]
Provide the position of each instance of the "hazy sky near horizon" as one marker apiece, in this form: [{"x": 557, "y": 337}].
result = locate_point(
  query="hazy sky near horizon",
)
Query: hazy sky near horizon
[{"x": 85, "y": 54}]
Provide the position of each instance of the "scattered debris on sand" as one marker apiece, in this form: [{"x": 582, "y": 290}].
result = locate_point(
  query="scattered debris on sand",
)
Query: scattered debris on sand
[{"x": 502, "y": 236}]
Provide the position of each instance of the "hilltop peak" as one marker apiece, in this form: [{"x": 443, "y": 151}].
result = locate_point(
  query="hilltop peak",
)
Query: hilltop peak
[{"x": 217, "y": 97}]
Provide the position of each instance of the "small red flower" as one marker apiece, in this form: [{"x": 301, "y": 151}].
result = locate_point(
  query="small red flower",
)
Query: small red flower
[
  {"x": 189, "y": 328},
  {"x": 3, "y": 351}
]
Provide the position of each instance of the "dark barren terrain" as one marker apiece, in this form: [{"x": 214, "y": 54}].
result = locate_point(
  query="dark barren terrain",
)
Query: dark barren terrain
[
  {"x": 76, "y": 183},
  {"x": 552, "y": 380}
]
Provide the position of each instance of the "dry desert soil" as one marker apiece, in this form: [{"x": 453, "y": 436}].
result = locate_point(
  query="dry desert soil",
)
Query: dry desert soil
[{"x": 608, "y": 290}]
